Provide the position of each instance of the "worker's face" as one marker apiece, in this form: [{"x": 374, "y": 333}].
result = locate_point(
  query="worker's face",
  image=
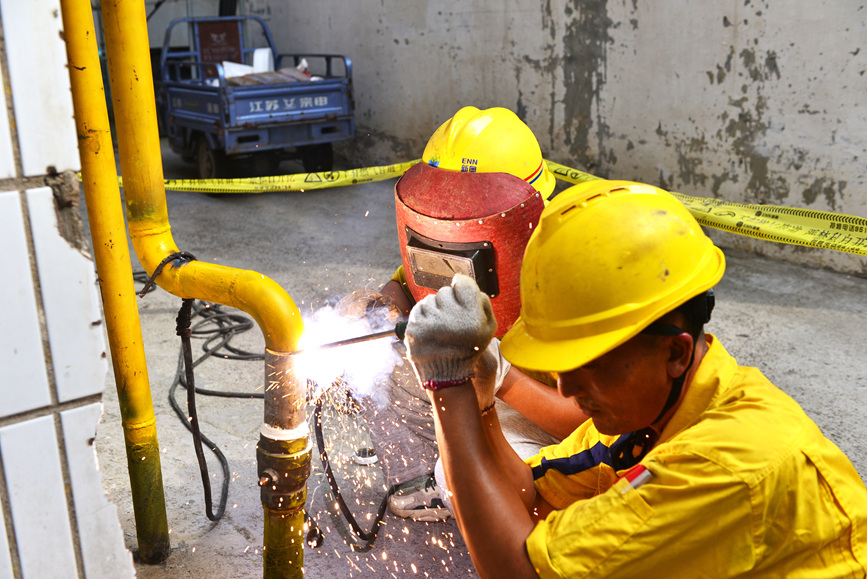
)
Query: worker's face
[{"x": 625, "y": 389}]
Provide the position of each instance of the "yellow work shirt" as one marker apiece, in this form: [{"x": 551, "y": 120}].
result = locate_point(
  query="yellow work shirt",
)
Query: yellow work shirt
[{"x": 743, "y": 484}]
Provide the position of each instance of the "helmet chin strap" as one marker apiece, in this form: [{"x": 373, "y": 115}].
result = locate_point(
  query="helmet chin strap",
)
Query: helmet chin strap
[
  {"x": 677, "y": 383},
  {"x": 697, "y": 309},
  {"x": 631, "y": 447}
]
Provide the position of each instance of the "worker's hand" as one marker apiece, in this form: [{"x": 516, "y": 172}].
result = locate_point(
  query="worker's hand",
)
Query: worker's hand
[
  {"x": 491, "y": 369},
  {"x": 378, "y": 309},
  {"x": 485, "y": 379},
  {"x": 448, "y": 332}
]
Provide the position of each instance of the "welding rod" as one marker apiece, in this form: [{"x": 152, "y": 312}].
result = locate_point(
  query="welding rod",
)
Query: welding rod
[{"x": 399, "y": 331}]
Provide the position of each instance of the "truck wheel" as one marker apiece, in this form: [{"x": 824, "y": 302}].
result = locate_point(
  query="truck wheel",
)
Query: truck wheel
[
  {"x": 212, "y": 164},
  {"x": 316, "y": 158}
]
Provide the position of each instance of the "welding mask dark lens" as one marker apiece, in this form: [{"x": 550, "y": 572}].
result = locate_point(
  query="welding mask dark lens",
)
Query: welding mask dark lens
[{"x": 434, "y": 263}]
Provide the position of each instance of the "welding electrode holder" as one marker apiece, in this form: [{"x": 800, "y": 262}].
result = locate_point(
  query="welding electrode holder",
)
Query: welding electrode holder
[{"x": 399, "y": 331}]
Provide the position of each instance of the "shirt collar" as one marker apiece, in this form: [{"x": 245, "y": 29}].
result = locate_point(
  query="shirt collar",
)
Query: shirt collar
[{"x": 716, "y": 368}]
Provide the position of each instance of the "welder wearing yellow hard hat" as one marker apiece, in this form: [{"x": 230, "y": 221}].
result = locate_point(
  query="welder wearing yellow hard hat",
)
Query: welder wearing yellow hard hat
[
  {"x": 470, "y": 206},
  {"x": 691, "y": 466}
]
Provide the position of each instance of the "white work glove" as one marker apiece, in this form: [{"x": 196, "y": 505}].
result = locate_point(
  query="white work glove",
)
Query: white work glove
[
  {"x": 448, "y": 332},
  {"x": 491, "y": 369}
]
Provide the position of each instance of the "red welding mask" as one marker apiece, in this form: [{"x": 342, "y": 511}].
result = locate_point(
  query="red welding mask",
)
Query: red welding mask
[{"x": 477, "y": 224}]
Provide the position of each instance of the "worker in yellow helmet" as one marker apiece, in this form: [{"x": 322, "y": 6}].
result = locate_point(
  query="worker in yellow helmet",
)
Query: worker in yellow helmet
[
  {"x": 690, "y": 466},
  {"x": 470, "y": 206},
  {"x": 482, "y": 180}
]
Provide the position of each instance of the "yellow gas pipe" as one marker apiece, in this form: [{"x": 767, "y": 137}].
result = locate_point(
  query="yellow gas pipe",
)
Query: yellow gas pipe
[
  {"x": 115, "y": 282},
  {"x": 284, "y": 446}
]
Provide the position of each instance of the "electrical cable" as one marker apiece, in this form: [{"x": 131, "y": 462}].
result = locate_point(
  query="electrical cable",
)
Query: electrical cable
[
  {"x": 184, "y": 376},
  {"x": 185, "y": 363},
  {"x": 183, "y": 330},
  {"x": 367, "y": 536},
  {"x": 218, "y": 327}
]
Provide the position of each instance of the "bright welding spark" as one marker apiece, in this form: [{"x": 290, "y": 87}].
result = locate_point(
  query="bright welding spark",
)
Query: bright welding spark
[{"x": 359, "y": 365}]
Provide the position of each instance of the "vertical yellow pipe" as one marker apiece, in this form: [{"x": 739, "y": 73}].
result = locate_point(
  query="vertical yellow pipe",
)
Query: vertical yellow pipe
[{"x": 116, "y": 285}]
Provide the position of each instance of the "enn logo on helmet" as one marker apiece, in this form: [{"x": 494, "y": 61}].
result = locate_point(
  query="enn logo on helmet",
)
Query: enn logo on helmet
[{"x": 469, "y": 165}]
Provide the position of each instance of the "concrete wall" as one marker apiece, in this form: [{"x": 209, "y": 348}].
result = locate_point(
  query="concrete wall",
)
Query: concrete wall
[
  {"x": 746, "y": 100},
  {"x": 55, "y": 518}
]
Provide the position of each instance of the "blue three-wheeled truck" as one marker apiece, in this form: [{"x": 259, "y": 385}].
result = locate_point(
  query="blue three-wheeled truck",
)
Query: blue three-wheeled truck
[{"x": 230, "y": 103}]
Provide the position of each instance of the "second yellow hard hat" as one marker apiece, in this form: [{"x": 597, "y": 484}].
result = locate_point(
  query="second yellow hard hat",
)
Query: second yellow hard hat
[{"x": 492, "y": 140}]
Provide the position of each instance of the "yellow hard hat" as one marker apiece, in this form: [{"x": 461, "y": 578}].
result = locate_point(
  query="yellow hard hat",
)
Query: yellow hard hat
[
  {"x": 607, "y": 259},
  {"x": 493, "y": 140}
]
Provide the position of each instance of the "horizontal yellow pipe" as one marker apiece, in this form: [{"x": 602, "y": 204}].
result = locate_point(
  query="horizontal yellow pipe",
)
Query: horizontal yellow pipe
[{"x": 138, "y": 141}]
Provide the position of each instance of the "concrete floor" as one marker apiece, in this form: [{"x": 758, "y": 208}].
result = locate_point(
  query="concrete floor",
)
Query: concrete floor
[{"x": 803, "y": 328}]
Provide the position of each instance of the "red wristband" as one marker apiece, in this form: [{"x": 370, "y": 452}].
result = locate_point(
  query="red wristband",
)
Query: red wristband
[
  {"x": 488, "y": 409},
  {"x": 440, "y": 384}
]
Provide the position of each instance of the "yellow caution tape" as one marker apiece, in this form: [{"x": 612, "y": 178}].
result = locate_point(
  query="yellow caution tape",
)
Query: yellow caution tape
[
  {"x": 569, "y": 174},
  {"x": 298, "y": 182},
  {"x": 806, "y": 227}
]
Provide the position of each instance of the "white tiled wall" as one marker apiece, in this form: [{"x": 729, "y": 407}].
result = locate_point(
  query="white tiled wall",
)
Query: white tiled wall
[
  {"x": 24, "y": 385},
  {"x": 5, "y": 557},
  {"x": 69, "y": 302},
  {"x": 52, "y": 347},
  {"x": 40, "y": 85},
  {"x": 103, "y": 552},
  {"x": 34, "y": 480}
]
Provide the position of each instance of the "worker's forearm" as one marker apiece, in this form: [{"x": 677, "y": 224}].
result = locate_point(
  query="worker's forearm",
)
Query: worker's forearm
[
  {"x": 393, "y": 290},
  {"x": 492, "y": 516},
  {"x": 515, "y": 469}
]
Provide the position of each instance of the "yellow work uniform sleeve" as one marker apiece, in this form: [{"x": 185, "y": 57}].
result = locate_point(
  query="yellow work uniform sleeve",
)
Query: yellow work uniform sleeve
[{"x": 586, "y": 477}]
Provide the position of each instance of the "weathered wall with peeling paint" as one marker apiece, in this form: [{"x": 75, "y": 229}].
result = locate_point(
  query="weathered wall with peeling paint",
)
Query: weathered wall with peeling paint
[
  {"x": 747, "y": 100},
  {"x": 754, "y": 102}
]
